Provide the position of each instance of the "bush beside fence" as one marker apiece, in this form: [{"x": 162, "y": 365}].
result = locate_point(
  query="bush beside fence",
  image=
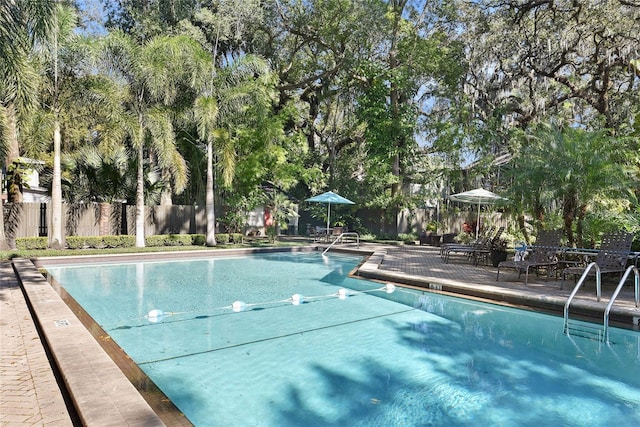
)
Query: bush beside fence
[{"x": 126, "y": 241}]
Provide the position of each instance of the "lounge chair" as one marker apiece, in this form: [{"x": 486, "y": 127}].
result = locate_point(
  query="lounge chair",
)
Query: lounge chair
[
  {"x": 612, "y": 256},
  {"x": 485, "y": 251},
  {"x": 543, "y": 254},
  {"x": 482, "y": 239},
  {"x": 475, "y": 251}
]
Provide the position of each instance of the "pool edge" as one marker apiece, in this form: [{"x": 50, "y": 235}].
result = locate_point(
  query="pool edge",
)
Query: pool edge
[{"x": 100, "y": 392}]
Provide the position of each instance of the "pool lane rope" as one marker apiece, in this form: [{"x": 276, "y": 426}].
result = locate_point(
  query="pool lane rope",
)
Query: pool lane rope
[{"x": 157, "y": 315}]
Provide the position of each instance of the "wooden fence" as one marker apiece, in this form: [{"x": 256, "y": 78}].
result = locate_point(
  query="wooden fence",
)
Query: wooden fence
[
  {"x": 34, "y": 219},
  {"x": 95, "y": 219}
]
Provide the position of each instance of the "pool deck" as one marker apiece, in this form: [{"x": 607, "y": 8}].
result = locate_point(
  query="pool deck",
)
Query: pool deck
[{"x": 53, "y": 372}]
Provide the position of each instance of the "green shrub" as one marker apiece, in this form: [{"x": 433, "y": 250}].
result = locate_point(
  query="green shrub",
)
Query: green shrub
[
  {"x": 222, "y": 238},
  {"x": 178, "y": 240},
  {"x": 96, "y": 242},
  {"x": 28, "y": 243},
  {"x": 155, "y": 240},
  {"x": 76, "y": 242},
  {"x": 169, "y": 240},
  {"x": 237, "y": 238},
  {"x": 407, "y": 238},
  {"x": 272, "y": 233},
  {"x": 464, "y": 238},
  {"x": 100, "y": 242},
  {"x": 198, "y": 239},
  {"x": 121, "y": 241}
]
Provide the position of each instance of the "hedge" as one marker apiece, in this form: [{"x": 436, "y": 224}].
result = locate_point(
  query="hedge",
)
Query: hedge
[
  {"x": 30, "y": 243},
  {"x": 124, "y": 241}
]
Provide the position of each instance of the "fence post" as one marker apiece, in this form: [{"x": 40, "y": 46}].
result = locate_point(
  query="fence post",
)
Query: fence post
[{"x": 42, "y": 226}]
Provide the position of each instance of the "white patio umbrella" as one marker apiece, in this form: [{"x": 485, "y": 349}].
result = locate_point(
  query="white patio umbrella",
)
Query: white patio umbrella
[
  {"x": 478, "y": 196},
  {"x": 330, "y": 197}
]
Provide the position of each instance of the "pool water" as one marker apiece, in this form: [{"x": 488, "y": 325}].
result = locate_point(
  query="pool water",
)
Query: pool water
[{"x": 407, "y": 358}]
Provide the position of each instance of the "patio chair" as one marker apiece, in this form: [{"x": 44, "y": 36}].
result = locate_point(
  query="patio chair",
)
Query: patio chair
[
  {"x": 482, "y": 239},
  {"x": 475, "y": 251},
  {"x": 543, "y": 254},
  {"x": 612, "y": 256},
  {"x": 425, "y": 238},
  {"x": 484, "y": 252}
]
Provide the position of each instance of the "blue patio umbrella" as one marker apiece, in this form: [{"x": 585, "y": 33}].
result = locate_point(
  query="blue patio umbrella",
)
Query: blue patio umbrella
[{"x": 330, "y": 197}]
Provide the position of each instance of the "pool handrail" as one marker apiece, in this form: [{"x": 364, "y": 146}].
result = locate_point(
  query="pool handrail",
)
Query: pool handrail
[
  {"x": 348, "y": 233},
  {"x": 577, "y": 287},
  {"x": 615, "y": 295}
]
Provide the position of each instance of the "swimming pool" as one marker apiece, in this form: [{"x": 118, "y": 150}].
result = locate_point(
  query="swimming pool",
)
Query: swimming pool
[{"x": 372, "y": 358}]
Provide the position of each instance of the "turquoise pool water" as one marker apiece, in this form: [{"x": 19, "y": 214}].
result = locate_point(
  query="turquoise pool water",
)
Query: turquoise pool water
[{"x": 406, "y": 358}]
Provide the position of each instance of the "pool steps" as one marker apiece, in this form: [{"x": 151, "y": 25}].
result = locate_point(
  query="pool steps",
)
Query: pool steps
[{"x": 592, "y": 332}]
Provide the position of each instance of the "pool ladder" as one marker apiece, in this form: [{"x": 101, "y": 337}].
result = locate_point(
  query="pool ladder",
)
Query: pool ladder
[
  {"x": 602, "y": 334},
  {"x": 348, "y": 233}
]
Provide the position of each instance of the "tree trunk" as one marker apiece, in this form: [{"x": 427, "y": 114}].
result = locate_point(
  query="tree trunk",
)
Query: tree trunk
[
  {"x": 14, "y": 189},
  {"x": 13, "y": 150},
  {"x": 140, "y": 197},
  {"x": 104, "y": 220},
  {"x": 209, "y": 198},
  {"x": 165, "y": 197},
  {"x": 523, "y": 229},
  {"x": 3, "y": 238},
  {"x": 55, "y": 237},
  {"x": 568, "y": 215},
  {"x": 394, "y": 96},
  {"x": 582, "y": 213}
]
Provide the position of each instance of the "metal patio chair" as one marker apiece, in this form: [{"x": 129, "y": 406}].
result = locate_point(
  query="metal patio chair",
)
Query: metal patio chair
[
  {"x": 612, "y": 256},
  {"x": 543, "y": 254}
]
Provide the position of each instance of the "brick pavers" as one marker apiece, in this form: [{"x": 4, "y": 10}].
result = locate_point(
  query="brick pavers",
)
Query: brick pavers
[
  {"x": 422, "y": 266},
  {"x": 29, "y": 392}
]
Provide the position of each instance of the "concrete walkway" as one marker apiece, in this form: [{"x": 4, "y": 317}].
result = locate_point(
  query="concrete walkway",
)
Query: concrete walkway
[{"x": 30, "y": 393}]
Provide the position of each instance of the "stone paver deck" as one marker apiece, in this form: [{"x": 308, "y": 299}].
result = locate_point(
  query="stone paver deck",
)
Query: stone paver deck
[
  {"x": 422, "y": 266},
  {"x": 31, "y": 395},
  {"x": 29, "y": 391}
]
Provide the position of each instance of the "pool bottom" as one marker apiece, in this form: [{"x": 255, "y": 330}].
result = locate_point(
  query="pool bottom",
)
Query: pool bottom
[{"x": 406, "y": 367}]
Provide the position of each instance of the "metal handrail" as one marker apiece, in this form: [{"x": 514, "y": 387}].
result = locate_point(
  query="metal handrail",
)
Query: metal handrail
[
  {"x": 615, "y": 295},
  {"x": 577, "y": 287},
  {"x": 348, "y": 233}
]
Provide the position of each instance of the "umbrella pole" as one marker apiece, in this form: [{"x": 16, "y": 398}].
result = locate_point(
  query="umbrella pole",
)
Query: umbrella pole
[
  {"x": 328, "y": 215},
  {"x": 478, "y": 221}
]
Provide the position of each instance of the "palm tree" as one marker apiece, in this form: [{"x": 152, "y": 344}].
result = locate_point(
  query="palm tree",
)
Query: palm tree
[
  {"x": 23, "y": 23},
  {"x": 101, "y": 176},
  {"x": 574, "y": 167},
  {"x": 153, "y": 72},
  {"x": 223, "y": 98},
  {"x": 62, "y": 32},
  {"x": 225, "y": 93}
]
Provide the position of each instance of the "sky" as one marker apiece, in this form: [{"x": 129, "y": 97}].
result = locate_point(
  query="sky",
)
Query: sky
[{"x": 92, "y": 16}]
